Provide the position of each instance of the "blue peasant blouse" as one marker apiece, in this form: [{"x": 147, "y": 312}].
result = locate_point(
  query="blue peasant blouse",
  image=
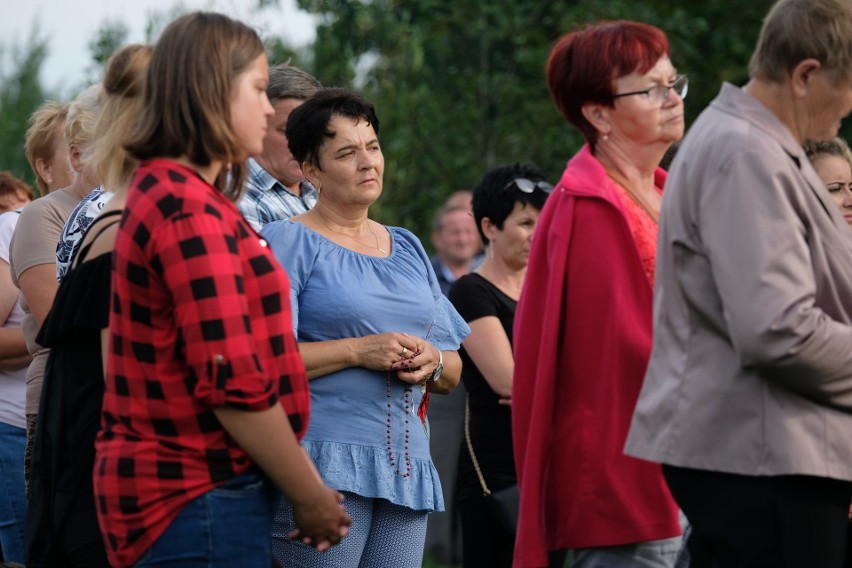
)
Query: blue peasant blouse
[{"x": 339, "y": 293}]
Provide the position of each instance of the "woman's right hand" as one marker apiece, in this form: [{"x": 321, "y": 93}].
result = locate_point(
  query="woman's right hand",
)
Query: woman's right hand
[
  {"x": 321, "y": 519},
  {"x": 267, "y": 436},
  {"x": 379, "y": 351}
]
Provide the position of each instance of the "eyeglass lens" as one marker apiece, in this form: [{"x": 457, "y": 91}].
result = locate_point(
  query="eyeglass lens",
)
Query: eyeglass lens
[{"x": 680, "y": 87}]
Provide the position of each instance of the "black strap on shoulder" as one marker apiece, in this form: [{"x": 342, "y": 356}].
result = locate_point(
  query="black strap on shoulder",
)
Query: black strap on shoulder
[{"x": 84, "y": 250}]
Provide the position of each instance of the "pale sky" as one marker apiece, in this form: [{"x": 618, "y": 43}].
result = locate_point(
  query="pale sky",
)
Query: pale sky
[{"x": 69, "y": 26}]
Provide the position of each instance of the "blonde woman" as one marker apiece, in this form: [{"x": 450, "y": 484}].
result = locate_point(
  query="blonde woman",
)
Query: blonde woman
[
  {"x": 32, "y": 252},
  {"x": 46, "y": 148}
]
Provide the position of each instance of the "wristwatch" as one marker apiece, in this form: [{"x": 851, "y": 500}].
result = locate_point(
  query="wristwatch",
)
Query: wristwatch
[{"x": 436, "y": 374}]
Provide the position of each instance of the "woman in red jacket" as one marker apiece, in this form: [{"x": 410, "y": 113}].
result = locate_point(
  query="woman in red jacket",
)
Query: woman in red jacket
[{"x": 583, "y": 324}]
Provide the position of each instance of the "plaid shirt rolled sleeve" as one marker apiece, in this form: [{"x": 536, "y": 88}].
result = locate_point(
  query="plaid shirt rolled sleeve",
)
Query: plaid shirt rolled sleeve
[
  {"x": 200, "y": 318},
  {"x": 201, "y": 268}
]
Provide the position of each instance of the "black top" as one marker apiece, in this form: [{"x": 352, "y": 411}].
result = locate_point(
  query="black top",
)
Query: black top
[
  {"x": 490, "y": 422},
  {"x": 70, "y": 406}
]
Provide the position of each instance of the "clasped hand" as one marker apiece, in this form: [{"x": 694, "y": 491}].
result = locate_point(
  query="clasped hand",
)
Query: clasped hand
[
  {"x": 413, "y": 358},
  {"x": 321, "y": 519}
]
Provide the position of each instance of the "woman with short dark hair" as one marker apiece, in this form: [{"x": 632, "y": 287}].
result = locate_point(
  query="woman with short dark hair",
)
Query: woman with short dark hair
[
  {"x": 506, "y": 205},
  {"x": 377, "y": 337}
]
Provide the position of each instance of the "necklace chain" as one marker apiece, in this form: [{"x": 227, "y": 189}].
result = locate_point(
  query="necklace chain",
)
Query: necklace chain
[
  {"x": 369, "y": 228},
  {"x": 654, "y": 215}
]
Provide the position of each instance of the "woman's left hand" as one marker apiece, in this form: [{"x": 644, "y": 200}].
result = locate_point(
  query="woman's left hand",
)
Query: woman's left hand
[{"x": 417, "y": 367}]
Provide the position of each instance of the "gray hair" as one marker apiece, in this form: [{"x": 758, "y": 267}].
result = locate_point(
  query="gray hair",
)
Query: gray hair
[
  {"x": 795, "y": 30},
  {"x": 288, "y": 82}
]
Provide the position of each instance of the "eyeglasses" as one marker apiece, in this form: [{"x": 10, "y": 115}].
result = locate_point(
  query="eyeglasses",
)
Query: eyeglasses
[
  {"x": 528, "y": 186},
  {"x": 660, "y": 93}
]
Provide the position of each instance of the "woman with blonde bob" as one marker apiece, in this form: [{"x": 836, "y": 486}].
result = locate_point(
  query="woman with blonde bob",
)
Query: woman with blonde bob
[
  {"x": 46, "y": 149},
  {"x": 32, "y": 251},
  {"x": 206, "y": 395}
]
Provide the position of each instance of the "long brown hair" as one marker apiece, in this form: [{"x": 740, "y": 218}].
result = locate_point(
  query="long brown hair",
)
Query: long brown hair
[{"x": 187, "y": 101}]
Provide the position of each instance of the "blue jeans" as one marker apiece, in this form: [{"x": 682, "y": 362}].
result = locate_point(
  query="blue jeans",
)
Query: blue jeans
[
  {"x": 226, "y": 527},
  {"x": 13, "y": 497}
]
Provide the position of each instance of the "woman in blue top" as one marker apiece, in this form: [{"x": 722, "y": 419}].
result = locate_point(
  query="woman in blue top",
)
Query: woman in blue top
[{"x": 376, "y": 335}]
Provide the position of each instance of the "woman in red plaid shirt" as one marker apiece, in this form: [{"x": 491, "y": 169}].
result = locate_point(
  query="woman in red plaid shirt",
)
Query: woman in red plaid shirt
[{"x": 206, "y": 394}]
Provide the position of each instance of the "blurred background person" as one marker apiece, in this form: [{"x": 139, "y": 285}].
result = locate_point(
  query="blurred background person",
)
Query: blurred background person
[
  {"x": 506, "y": 206},
  {"x": 62, "y": 525},
  {"x": 276, "y": 188},
  {"x": 32, "y": 253},
  {"x": 464, "y": 198},
  {"x": 377, "y": 337},
  {"x": 461, "y": 198},
  {"x": 831, "y": 159},
  {"x": 47, "y": 149},
  {"x": 14, "y": 193},
  {"x": 206, "y": 395},
  {"x": 747, "y": 400},
  {"x": 459, "y": 248},
  {"x": 582, "y": 332},
  {"x": 14, "y": 359},
  {"x": 456, "y": 244}
]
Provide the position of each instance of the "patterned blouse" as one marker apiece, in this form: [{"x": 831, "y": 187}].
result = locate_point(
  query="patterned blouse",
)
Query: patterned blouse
[
  {"x": 200, "y": 319},
  {"x": 75, "y": 228}
]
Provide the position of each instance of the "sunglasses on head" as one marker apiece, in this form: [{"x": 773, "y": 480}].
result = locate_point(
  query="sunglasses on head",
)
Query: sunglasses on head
[{"x": 528, "y": 186}]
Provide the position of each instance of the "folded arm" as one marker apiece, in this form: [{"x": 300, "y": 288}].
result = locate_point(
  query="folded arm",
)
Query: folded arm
[{"x": 13, "y": 348}]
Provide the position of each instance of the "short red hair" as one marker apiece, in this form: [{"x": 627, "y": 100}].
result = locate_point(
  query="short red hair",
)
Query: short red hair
[{"x": 583, "y": 64}]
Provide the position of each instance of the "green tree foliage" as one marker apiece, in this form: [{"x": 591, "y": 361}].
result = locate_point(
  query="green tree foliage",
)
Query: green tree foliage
[
  {"x": 110, "y": 36},
  {"x": 459, "y": 86},
  {"x": 20, "y": 93}
]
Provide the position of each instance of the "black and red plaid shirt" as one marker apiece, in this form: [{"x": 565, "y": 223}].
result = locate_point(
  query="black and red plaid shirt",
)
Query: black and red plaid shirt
[{"x": 200, "y": 318}]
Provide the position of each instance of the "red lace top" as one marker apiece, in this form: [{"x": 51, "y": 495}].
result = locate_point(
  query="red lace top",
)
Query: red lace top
[{"x": 644, "y": 231}]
